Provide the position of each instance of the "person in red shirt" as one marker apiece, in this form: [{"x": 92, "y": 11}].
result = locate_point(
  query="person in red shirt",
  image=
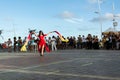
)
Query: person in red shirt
[{"x": 42, "y": 43}]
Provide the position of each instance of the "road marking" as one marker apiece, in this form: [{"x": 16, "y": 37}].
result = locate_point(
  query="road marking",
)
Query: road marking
[
  {"x": 6, "y": 66},
  {"x": 61, "y": 74},
  {"x": 7, "y": 57},
  {"x": 107, "y": 59},
  {"x": 53, "y": 63},
  {"x": 87, "y": 64}
]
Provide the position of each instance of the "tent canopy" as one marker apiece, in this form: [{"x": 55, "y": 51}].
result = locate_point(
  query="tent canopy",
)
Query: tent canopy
[{"x": 110, "y": 30}]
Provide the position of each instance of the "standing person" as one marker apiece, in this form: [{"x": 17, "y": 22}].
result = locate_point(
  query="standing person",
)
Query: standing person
[
  {"x": 49, "y": 43},
  {"x": 83, "y": 42},
  {"x": 53, "y": 42},
  {"x": 15, "y": 44},
  {"x": 9, "y": 42},
  {"x": 118, "y": 43},
  {"x": 42, "y": 43},
  {"x": 19, "y": 41},
  {"x": 79, "y": 42}
]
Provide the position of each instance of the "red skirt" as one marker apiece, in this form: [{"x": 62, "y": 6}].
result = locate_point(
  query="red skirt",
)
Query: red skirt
[{"x": 40, "y": 45}]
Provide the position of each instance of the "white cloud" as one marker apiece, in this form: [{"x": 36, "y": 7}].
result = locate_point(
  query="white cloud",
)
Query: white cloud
[
  {"x": 70, "y": 17},
  {"x": 85, "y": 28},
  {"x": 77, "y": 19},
  {"x": 67, "y": 14},
  {"x": 92, "y": 1},
  {"x": 74, "y": 20},
  {"x": 70, "y": 20},
  {"x": 110, "y": 16},
  {"x": 118, "y": 16},
  {"x": 106, "y": 17},
  {"x": 95, "y": 1}
]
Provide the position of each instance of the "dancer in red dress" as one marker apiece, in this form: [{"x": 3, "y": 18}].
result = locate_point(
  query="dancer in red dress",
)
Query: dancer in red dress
[{"x": 42, "y": 43}]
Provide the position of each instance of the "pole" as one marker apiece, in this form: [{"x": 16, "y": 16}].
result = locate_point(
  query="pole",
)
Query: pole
[
  {"x": 100, "y": 18},
  {"x": 114, "y": 20}
]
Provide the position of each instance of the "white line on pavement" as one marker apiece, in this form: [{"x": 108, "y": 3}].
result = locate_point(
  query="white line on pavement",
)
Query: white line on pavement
[{"x": 61, "y": 74}]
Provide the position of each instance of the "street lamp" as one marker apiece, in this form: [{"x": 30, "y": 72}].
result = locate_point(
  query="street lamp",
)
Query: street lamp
[
  {"x": 115, "y": 23},
  {"x": 100, "y": 17}
]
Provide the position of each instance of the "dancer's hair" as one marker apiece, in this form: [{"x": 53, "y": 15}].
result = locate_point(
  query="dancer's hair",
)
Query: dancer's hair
[{"x": 41, "y": 32}]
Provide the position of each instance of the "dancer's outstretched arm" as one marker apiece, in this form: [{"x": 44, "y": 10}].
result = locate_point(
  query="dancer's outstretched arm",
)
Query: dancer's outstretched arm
[
  {"x": 35, "y": 34},
  {"x": 48, "y": 33}
]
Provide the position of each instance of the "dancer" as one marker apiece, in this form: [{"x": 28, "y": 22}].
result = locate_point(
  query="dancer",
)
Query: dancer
[
  {"x": 42, "y": 43},
  {"x": 27, "y": 40}
]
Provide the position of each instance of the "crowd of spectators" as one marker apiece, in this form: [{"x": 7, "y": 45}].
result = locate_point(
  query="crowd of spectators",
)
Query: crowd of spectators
[{"x": 110, "y": 41}]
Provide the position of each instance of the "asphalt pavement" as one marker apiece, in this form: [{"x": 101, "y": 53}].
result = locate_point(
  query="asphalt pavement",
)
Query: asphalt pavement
[{"x": 61, "y": 65}]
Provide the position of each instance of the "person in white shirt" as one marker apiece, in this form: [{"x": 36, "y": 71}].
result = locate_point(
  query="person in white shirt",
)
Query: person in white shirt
[
  {"x": 53, "y": 43},
  {"x": 9, "y": 42}
]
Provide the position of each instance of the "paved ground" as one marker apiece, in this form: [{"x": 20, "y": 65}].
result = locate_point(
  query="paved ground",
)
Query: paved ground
[{"x": 61, "y": 65}]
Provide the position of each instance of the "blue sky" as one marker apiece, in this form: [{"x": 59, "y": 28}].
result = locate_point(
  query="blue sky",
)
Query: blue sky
[{"x": 69, "y": 17}]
